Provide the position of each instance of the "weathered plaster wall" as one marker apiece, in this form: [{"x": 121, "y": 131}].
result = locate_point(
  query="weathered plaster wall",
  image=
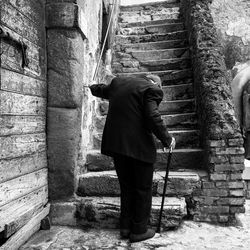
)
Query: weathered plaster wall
[
  {"x": 232, "y": 20},
  {"x": 23, "y": 98}
]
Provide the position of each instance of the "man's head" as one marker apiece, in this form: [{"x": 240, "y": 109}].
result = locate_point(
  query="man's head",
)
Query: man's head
[{"x": 154, "y": 79}]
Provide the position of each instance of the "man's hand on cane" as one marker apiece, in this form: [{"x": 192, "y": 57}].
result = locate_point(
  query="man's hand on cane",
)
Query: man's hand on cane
[{"x": 171, "y": 146}]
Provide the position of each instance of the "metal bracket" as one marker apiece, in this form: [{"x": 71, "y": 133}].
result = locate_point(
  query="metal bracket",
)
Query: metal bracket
[{"x": 17, "y": 43}]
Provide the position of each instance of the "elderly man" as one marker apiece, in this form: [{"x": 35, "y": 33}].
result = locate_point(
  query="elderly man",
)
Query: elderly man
[{"x": 133, "y": 117}]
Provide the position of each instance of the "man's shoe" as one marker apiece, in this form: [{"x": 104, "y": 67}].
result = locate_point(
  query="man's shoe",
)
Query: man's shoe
[
  {"x": 140, "y": 237},
  {"x": 124, "y": 233}
]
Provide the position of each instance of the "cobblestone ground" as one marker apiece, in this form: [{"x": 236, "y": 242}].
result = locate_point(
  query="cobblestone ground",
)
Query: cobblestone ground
[{"x": 191, "y": 235}]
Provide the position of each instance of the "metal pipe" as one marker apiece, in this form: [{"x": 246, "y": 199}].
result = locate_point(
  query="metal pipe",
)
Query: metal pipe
[{"x": 105, "y": 39}]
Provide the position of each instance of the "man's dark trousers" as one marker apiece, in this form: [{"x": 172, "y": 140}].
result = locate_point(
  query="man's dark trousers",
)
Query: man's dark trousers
[{"x": 135, "y": 178}]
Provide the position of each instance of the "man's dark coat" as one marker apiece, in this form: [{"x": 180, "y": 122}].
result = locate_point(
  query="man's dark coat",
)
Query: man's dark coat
[{"x": 132, "y": 118}]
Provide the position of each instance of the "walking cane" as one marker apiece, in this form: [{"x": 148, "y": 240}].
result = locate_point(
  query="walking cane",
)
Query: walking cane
[{"x": 158, "y": 230}]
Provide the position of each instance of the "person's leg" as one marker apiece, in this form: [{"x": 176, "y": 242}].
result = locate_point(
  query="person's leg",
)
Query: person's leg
[
  {"x": 142, "y": 185},
  {"x": 123, "y": 169}
]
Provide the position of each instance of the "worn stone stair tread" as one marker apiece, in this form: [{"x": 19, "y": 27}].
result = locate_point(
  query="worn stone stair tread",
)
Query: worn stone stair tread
[
  {"x": 177, "y": 106},
  {"x": 105, "y": 183},
  {"x": 184, "y": 158},
  {"x": 103, "y": 212},
  {"x": 159, "y": 73},
  {"x": 151, "y": 22},
  {"x": 151, "y": 37},
  {"x": 154, "y": 45},
  {"x": 151, "y": 29},
  {"x": 133, "y": 65},
  {"x": 144, "y": 55},
  {"x": 185, "y": 138},
  {"x": 133, "y": 7}
]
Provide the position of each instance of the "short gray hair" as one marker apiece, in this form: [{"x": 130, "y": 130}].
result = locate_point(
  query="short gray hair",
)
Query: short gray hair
[{"x": 155, "y": 78}]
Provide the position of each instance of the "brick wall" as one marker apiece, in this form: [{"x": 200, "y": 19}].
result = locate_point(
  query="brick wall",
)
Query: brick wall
[
  {"x": 23, "y": 97},
  {"x": 222, "y": 195}
]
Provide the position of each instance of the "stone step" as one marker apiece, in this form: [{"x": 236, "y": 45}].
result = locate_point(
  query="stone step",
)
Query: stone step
[
  {"x": 152, "y": 5},
  {"x": 106, "y": 183},
  {"x": 149, "y": 14},
  {"x": 152, "y": 29},
  {"x": 166, "y": 75},
  {"x": 121, "y": 39},
  {"x": 180, "y": 121},
  {"x": 132, "y": 66},
  {"x": 145, "y": 55},
  {"x": 184, "y": 139},
  {"x": 148, "y": 23},
  {"x": 177, "y": 106},
  {"x": 126, "y": 48},
  {"x": 104, "y": 212},
  {"x": 173, "y": 121},
  {"x": 181, "y": 159},
  {"x": 178, "y": 92}
]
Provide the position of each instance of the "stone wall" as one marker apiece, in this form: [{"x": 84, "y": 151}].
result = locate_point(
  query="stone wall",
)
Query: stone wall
[
  {"x": 23, "y": 97},
  {"x": 74, "y": 41},
  {"x": 232, "y": 20},
  {"x": 222, "y": 195}
]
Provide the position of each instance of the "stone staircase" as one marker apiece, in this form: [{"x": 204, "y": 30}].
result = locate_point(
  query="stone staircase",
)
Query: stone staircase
[{"x": 151, "y": 39}]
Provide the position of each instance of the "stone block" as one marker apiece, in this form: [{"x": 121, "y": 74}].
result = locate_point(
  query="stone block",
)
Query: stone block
[
  {"x": 218, "y": 177},
  {"x": 66, "y": 15},
  {"x": 218, "y": 159},
  {"x": 215, "y": 192},
  {"x": 237, "y": 209},
  {"x": 228, "y": 167},
  {"x": 103, "y": 212},
  {"x": 95, "y": 161},
  {"x": 236, "y": 159},
  {"x": 235, "y": 142},
  {"x": 63, "y": 213},
  {"x": 65, "y": 68},
  {"x": 63, "y": 146},
  {"x": 223, "y": 218},
  {"x": 237, "y": 192},
  {"x": 207, "y": 184},
  {"x": 231, "y": 185},
  {"x": 237, "y": 176},
  {"x": 216, "y": 143},
  {"x": 231, "y": 201},
  {"x": 214, "y": 209}
]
